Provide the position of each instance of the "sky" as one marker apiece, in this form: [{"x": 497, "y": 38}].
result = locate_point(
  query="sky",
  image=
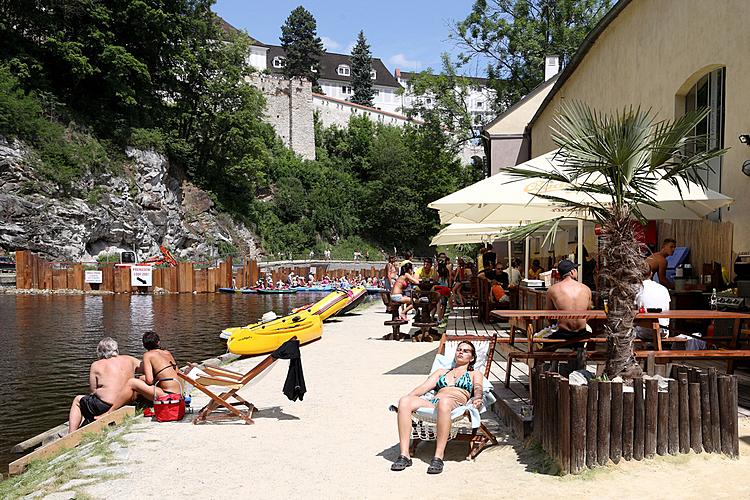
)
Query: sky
[{"x": 405, "y": 34}]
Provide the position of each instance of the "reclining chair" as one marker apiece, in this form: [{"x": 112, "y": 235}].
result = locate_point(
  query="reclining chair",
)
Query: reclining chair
[{"x": 467, "y": 422}]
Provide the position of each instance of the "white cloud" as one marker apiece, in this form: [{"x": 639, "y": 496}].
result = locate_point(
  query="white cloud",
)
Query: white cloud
[
  {"x": 330, "y": 43},
  {"x": 350, "y": 47},
  {"x": 402, "y": 62}
]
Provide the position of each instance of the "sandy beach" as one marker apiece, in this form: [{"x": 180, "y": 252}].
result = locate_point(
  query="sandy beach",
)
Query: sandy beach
[{"x": 340, "y": 441}]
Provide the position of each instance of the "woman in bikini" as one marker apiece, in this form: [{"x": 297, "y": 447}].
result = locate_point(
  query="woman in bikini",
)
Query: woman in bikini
[
  {"x": 404, "y": 279},
  {"x": 159, "y": 375},
  {"x": 453, "y": 388}
]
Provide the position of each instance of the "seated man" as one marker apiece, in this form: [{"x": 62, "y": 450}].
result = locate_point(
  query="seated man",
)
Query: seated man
[
  {"x": 427, "y": 271},
  {"x": 107, "y": 378},
  {"x": 568, "y": 295},
  {"x": 652, "y": 295},
  {"x": 159, "y": 375},
  {"x": 658, "y": 262}
]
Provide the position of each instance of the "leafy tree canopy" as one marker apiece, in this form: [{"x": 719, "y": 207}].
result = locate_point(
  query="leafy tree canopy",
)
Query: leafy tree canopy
[{"x": 516, "y": 35}]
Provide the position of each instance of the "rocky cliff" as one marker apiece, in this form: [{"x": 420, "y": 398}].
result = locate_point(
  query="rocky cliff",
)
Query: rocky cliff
[{"x": 146, "y": 205}]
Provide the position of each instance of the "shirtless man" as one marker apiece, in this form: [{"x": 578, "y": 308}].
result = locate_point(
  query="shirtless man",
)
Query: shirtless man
[
  {"x": 658, "y": 261},
  {"x": 568, "y": 295},
  {"x": 107, "y": 377},
  {"x": 159, "y": 375}
]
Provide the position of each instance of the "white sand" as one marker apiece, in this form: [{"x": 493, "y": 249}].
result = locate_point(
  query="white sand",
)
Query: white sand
[{"x": 340, "y": 441}]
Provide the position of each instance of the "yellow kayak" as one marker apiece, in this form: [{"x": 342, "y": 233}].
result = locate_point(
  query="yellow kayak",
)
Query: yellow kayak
[
  {"x": 328, "y": 306},
  {"x": 262, "y": 338},
  {"x": 356, "y": 298}
]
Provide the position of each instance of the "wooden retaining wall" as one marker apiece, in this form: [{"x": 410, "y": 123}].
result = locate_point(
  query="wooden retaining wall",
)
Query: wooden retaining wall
[
  {"x": 585, "y": 426},
  {"x": 33, "y": 272}
]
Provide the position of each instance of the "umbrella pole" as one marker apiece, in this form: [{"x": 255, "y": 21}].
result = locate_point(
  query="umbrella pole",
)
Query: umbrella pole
[
  {"x": 526, "y": 259},
  {"x": 580, "y": 246},
  {"x": 510, "y": 254}
]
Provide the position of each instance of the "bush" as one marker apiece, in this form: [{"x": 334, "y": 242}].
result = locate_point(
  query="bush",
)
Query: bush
[{"x": 147, "y": 138}]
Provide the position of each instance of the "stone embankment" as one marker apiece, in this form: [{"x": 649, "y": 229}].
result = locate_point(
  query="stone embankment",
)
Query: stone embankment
[{"x": 147, "y": 204}]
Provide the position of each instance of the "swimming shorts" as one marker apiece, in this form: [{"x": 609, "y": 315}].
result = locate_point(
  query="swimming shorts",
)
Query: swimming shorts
[
  {"x": 396, "y": 297},
  {"x": 92, "y": 406}
]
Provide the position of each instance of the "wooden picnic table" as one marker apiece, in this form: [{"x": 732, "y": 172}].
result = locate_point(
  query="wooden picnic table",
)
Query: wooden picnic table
[{"x": 524, "y": 319}]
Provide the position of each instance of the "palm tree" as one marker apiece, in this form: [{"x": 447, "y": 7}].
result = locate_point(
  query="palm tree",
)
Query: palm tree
[{"x": 612, "y": 162}]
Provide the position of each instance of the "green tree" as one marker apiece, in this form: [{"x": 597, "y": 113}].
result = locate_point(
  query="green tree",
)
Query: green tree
[
  {"x": 362, "y": 85},
  {"x": 302, "y": 45},
  {"x": 516, "y": 35},
  {"x": 615, "y": 160}
]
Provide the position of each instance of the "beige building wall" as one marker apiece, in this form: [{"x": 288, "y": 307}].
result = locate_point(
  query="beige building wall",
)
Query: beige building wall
[{"x": 649, "y": 56}]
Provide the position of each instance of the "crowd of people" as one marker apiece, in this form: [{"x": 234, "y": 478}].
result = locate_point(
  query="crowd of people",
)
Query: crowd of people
[{"x": 293, "y": 280}]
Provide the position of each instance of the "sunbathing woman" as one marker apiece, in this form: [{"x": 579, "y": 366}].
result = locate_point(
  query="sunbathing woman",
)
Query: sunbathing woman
[
  {"x": 453, "y": 388},
  {"x": 404, "y": 279},
  {"x": 159, "y": 375}
]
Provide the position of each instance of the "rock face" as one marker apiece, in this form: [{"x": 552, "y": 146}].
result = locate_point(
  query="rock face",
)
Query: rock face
[{"x": 148, "y": 205}]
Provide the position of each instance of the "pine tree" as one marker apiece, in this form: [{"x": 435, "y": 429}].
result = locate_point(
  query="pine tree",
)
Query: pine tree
[
  {"x": 361, "y": 69},
  {"x": 303, "y": 47}
]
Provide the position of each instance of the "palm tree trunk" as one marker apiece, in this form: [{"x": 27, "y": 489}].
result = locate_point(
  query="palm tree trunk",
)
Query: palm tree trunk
[{"x": 622, "y": 267}]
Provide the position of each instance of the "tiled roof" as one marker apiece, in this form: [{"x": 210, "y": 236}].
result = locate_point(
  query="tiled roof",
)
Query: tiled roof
[
  {"x": 329, "y": 64},
  {"x": 408, "y": 75}
]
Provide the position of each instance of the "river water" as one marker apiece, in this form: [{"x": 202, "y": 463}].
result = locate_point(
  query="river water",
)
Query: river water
[{"x": 48, "y": 342}]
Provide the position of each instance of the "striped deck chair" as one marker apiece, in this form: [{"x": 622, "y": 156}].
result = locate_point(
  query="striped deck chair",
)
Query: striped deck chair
[{"x": 467, "y": 423}]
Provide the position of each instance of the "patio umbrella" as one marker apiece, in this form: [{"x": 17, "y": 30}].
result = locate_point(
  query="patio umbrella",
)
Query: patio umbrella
[{"x": 502, "y": 198}]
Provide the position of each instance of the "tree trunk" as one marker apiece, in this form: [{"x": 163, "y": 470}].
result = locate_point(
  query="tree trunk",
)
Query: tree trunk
[{"x": 623, "y": 271}]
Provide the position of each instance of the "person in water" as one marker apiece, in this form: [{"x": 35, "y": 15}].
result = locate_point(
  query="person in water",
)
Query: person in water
[
  {"x": 453, "y": 388},
  {"x": 159, "y": 375},
  {"x": 107, "y": 378}
]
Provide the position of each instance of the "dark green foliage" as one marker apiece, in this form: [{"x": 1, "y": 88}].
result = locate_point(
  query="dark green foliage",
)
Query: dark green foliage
[
  {"x": 516, "y": 35},
  {"x": 362, "y": 82},
  {"x": 302, "y": 45}
]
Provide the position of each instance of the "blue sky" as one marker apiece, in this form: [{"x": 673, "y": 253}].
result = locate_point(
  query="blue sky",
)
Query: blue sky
[{"x": 406, "y": 34}]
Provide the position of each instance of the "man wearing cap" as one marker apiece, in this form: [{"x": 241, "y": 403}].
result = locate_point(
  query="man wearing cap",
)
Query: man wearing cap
[{"x": 569, "y": 295}]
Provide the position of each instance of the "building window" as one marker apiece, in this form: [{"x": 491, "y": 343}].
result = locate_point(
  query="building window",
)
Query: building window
[
  {"x": 279, "y": 62},
  {"x": 343, "y": 70},
  {"x": 428, "y": 100},
  {"x": 373, "y": 74},
  {"x": 709, "y": 93},
  {"x": 480, "y": 104},
  {"x": 345, "y": 89},
  {"x": 313, "y": 69}
]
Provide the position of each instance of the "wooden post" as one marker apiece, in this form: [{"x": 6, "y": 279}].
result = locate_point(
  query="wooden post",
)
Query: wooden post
[
  {"x": 78, "y": 276},
  {"x": 725, "y": 415},
  {"x": 662, "y": 426},
  {"x": 578, "y": 401},
  {"x": 694, "y": 405},
  {"x": 673, "y": 439},
  {"x": 564, "y": 391},
  {"x": 615, "y": 426},
  {"x": 21, "y": 257},
  {"x": 555, "y": 420},
  {"x": 708, "y": 446},
  {"x": 652, "y": 406},
  {"x": 733, "y": 402},
  {"x": 713, "y": 389},
  {"x": 638, "y": 419},
  {"x": 592, "y": 407},
  {"x": 684, "y": 412},
  {"x": 627, "y": 424},
  {"x": 602, "y": 430}
]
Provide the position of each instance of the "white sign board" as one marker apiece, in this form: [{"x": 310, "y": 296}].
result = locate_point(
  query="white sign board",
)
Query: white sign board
[
  {"x": 92, "y": 277},
  {"x": 313, "y": 269},
  {"x": 140, "y": 275}
]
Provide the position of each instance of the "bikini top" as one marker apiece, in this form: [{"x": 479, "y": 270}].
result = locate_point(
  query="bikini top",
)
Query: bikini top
[
  {"x": 157, "y": 380},
  {"x": 462, "y": 382}
]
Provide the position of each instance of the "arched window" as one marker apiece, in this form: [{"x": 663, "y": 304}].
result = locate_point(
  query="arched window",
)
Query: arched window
[{"x": 708, "y": 92}]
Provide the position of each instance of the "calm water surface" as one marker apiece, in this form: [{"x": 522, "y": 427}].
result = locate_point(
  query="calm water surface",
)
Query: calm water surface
[{"x": 48, "y": 343}]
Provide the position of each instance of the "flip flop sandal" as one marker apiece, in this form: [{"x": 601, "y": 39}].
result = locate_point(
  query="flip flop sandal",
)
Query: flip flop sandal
[
  {"x": 401, "y": 463},
  {"x": 436, "y": 466}
]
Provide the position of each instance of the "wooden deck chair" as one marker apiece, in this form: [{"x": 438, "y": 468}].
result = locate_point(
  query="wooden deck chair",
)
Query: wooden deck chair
[
  {"x": 210, "y": 376},
  {"x": 464, "y": 428}
]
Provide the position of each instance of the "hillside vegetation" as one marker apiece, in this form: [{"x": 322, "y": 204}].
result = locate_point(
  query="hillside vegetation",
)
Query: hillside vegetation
[{"x": 80, "y": 81}]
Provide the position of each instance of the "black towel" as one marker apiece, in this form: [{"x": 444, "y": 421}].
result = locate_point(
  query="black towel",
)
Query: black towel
[{"x": 294, "y": 387}]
